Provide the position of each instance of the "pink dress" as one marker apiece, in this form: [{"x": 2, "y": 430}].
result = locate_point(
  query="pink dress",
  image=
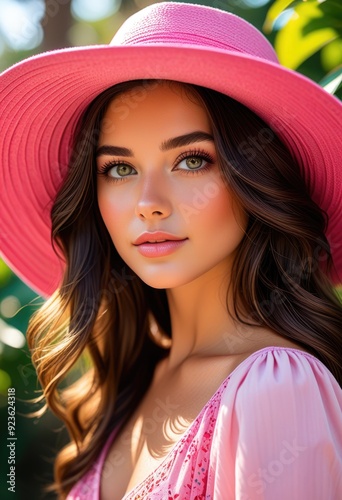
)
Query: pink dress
[{"x": 271, "y": 431}]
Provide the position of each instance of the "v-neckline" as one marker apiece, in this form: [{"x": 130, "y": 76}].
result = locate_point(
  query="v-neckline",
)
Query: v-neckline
[
  {"x": 184, "y": 438},
  {"x": 173, "y": 451}
]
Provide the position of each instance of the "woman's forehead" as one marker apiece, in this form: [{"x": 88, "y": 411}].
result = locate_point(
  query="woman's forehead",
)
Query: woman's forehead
[{"x": 158, "y": 108}]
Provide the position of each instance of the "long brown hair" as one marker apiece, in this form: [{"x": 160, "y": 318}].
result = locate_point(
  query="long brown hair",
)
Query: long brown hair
[{"x": 100, "y": 314}]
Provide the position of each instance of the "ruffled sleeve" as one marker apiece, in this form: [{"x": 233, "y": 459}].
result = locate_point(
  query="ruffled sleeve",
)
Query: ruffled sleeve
[{"x": 279, "y": 430}]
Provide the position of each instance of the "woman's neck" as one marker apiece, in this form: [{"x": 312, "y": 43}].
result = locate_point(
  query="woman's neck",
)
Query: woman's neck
[{"x": 201, "y": 324}]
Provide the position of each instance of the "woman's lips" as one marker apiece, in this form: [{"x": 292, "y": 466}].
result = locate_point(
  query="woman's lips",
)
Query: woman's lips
[{"x": 160, "y": 249}]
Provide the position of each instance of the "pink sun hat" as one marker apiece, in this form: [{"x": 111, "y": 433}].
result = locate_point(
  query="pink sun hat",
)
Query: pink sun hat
[{"x": 43, "y": 97}]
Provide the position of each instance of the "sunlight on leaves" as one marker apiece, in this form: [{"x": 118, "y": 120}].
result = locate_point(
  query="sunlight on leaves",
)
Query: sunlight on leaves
[
  {"x": 307, "y": 31},
  {"x": 88, "y": 10},
  {"x": 11, "y": 336},
  {"x": 20, "y": 23},
  {"x": 274, "y": 12},
  {"x": 5, "y": 273},
  {"x": 332, "y": 81},
  {"x": 331, "y": 55}
]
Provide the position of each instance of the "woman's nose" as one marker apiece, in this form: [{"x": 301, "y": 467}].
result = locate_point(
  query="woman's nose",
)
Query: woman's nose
[{"x": 153, "y": 199}]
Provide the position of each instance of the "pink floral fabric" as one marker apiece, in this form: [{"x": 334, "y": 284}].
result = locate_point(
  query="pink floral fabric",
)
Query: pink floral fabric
[{"x": 272, "y": 430}]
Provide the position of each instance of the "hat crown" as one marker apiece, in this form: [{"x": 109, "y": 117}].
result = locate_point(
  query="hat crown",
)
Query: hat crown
[{"x": 171, "y": 23}]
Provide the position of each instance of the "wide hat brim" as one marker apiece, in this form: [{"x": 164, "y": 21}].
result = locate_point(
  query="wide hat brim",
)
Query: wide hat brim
[{"x": 43, "y": 97}]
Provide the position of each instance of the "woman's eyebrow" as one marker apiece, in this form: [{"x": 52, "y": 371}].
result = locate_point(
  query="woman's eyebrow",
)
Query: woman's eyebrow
[
  {"x": 174, "y": 142},
  {"x": 114, "y": 151},
  {"x": 185, "y": 140}
]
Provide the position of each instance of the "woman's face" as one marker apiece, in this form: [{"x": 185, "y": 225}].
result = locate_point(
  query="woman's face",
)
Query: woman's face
[{"x": 159, "y": 182}]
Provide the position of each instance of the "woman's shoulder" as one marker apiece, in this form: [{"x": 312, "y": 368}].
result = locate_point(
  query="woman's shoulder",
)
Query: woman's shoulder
[
  {"x": 278, "y": 428},
  {"x": 278, "y": 381},
  {"x": 274, "y": 367}
]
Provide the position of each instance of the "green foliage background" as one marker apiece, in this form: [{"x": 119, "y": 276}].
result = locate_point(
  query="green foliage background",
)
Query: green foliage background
[{"x": 311, "y": 42}]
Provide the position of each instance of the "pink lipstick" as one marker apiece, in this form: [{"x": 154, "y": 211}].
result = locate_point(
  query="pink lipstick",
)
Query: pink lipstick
[{"x": 158, "y": 244}]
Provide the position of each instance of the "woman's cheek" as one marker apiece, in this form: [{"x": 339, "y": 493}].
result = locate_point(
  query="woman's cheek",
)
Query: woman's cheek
[{"x": 113, "y": 210}]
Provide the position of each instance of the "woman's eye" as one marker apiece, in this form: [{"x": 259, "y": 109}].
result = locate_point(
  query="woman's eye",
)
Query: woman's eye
[
  {"x": 192, "y": 163},
  {"x": 119, "y": 171}
]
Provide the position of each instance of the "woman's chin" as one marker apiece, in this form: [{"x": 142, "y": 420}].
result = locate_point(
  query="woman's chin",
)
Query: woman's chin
[{"x": 165, "y": 280}]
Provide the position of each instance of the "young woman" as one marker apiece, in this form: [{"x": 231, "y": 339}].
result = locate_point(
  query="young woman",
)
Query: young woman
[{"x": 194, "y": 206}]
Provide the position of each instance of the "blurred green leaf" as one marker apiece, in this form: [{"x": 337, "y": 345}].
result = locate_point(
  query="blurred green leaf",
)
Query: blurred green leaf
[
  {"x": 5, "y": 382},
  {"x": 5, "y": 273},
  {"x": 307, "y": 31},
  {"x": 332, "y": 81},
  {"x": 331, "y": 55},
  {"x": 275, "y": 10}
]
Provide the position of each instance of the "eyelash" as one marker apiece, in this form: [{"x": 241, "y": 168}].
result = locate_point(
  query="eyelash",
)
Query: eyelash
[
  {"x": 198, "y": 153},
  {"x": 104, "y": 169}
]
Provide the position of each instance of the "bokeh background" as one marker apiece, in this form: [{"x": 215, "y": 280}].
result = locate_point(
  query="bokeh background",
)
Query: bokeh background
[{"x": 307, "y": 36}]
